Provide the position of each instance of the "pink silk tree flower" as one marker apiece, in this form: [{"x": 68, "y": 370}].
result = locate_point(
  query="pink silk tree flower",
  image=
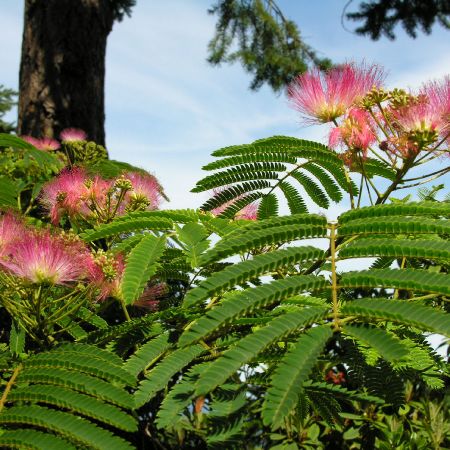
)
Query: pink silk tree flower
[
  {"x": 150, "y": 298},
  {"x": 11, "y": 230},
  {"x": 48, "y": 144},
  {"x": 72, "y": 134},
  {"x": 248, "y": 212},
  {"x": 64, "y": 194},
  {"x": 145, "y": 188},
  {"x": 96, "y": 191},
  {"x": 355, "y": 131},
  {"x": 438, "y": 95},
  {"x": 31, "y": 140},
  {"x": 420, "y": 116},
  {"x": 45, "y": 144},
  {"x": 47, "y": 259},
  {"x": 105, "y": 273},
  {"x": 322, "y": 97}
]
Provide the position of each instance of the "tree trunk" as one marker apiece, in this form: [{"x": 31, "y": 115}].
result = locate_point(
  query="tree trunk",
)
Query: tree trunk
[{"x": 62, "y": 70}]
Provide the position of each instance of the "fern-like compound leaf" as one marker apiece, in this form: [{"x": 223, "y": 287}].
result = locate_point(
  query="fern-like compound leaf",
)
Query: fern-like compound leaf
[
  {"x": 236, "y": 274},
  {"x": 385, "y": 343},
  {"x": 293, "y": 370},
  {"x": 142, "y": 263},
  {"x": 409, "y": 279},
  {"x": 245, "y": 301},
  {"x": 397, "y": 248},
  {"x": 251, "y": 345},
  {"x": 397, "y": 209},
  {"x": 400, "y": 311},
  {"x": 157, "y": 378}
]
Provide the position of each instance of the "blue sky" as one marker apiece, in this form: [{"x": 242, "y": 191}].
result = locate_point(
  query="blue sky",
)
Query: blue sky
[{"x": 167, "y": 109}]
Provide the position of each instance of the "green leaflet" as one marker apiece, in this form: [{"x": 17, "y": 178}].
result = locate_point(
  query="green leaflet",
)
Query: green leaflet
[
  {"x": 291, "y": 373},
  {"x": 401, "y": 311},
  {"x": 396, "y": 248},
  {"x": 128, "y": 244},
  {"x": 251, "y": 345},
  {"x": 33, "y": 439},
  {"x": 412, "y": 279},
  {"x": 397, "y": 209},
  {"x": 9, "y": 191},
  {"x": 178, "y": 398},
  {"x": 146, "y": 354},
  {"x": 233, "y": 275},
  {"x": 127, "y": 225},
  {"x": 109, "y": 168},
  {"x": 232, "y": 193},
  {"x": 176, "y": 215},
  {"x": 16, "y": 338},
  {"x": 74, "y": 428},
  {"x": 157, "y": 378},
  {"x": 193, "y": 238},
  {"x": 74, "y": 401},
  {"x": 374, "y": 167},
  {"x": 339, "y": 391},
  {"x": 325, "y": 180},
  {"x": 250, "y": 158},
  {"x": 79, "y": 382},
  {"x": 80, "y": 362},
  {"x": 245, "y": 301},
  {"x": 268, "y": 207},
  {"x": 232, "y": 176},
  {"x": 294, "y": 200},
  {"x": 266, "y": 232},
  {"x": 142, "y": 263},
  {"x": 232, "y": 210},
  {"x": 394, "y": 225},
  {"x": 386, "y": 344},
  {"x": 312, "y": 189},
  {"x": 280, "y": 144}
]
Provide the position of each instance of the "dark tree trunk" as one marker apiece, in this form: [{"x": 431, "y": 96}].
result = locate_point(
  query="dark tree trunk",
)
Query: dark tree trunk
[{"x": 62, "y": 70}]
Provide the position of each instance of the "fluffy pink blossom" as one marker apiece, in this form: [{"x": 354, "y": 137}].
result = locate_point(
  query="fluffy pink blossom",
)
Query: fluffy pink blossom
[
  {"x": 322, "y": 97},
  {"x": 105, "y": 273},
  {"x": 249, "y": 212},
  {"x": 96, "y": 190},
  {"x": 31, "y": 140},
  {"x": 72, "y": 134},
  {"x": 355, "y": 131},
  {"x": 438, "y": 95},
  {"x": 422, "y": 116},
  {"x": 151, "y": 296},
  {"x": 65, "y": 194},
  {"x": 44, "y": 258},
  {"x": 45, "y": 144},
  {"x": 145, "y": 186},
  {"x": 11, "y": 229}
]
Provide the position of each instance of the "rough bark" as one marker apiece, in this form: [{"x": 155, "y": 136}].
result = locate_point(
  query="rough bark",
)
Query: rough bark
[{"x": 62, "y": 69}]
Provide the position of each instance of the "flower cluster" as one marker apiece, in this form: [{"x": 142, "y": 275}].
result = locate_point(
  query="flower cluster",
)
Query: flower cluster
[
  {"x": 75, "y": 194},
  {"x": 38, "y": 256},
  {"x": 365, "y": 116}
]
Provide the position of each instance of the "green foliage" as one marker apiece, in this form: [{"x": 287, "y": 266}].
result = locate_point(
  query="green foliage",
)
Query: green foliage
[
  {"x": 268, "y": 45},
  {"x": 67, "y": 395},
  {"x": 7, "y": 101},
  {"x": 258, "y": 170},
  {"x": 292, "y": 372},
  {"x": 380, "y": 17},
  {"x": 141, "y": 266}
]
